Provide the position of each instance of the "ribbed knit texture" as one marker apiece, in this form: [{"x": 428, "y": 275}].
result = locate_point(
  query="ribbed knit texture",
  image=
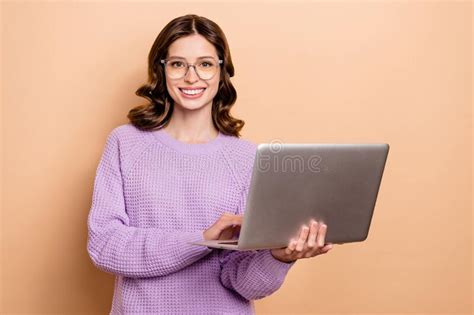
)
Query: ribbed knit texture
[{"x": 153, "y": 194}]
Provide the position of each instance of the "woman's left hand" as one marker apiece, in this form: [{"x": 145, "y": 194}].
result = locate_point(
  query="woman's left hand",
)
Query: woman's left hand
[{"x": 304, "y": 247}]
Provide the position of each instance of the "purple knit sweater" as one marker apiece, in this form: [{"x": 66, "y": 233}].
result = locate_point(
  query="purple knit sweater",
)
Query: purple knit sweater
[{"x": 153, "y": 194}]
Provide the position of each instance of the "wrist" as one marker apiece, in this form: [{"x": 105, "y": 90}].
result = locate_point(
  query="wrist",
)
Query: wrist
[{"x": 281, "y": 259}]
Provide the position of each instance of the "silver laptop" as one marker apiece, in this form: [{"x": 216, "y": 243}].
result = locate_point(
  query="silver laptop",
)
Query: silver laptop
[{"x": 336, "y": 184}]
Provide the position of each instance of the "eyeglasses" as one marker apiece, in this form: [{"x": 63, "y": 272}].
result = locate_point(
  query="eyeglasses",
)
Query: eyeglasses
[{"x": 177, "y": 68}]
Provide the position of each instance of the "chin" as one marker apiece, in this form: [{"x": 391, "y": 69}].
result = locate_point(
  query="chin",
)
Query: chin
[{"x": 192, "y": 106}]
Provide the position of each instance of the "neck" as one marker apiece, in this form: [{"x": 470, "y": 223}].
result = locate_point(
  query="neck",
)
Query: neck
[{"x": 192, "y": 126}]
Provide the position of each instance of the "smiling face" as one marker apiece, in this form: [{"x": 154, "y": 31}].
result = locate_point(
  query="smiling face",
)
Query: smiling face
[{"x": 191, "y": 49}]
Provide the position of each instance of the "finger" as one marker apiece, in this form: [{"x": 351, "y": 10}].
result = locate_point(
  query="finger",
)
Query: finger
[
  {"x": 237, "y": 221},
  {"x": 230, "y": 222},
  {"x": 291, "y": 247},
  {"x": 227, "y": 228},
  {"x": 312, "y": 234},
  {"x": 318, "y": 251},
  {"x": 229, "y": 216},
  {"x": 312, "y": 245},
  {"x": 302, "y": 240},
  {"x": 321, "y": 235},
  {"x": 326, "y": 248},
  {"x": 235, "y": 218}
]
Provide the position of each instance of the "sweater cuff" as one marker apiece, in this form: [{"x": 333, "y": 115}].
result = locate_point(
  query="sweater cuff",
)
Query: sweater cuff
[
  {"x": 278, "y": 267},
  {"x": 197, "y": 236}
]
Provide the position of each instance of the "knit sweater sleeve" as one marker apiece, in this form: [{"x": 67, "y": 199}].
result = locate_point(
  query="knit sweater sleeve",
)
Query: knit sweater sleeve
[
  {"x": 253, "y": 274},
  {"x": 117, "y": 247}
]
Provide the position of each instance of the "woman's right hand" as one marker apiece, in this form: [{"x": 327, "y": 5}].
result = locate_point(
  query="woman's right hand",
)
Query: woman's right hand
[{"x": 225, "y": 228}]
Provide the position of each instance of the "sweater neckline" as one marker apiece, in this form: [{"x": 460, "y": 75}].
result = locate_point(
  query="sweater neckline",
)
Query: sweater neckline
[{"x": 190, "y": 148}]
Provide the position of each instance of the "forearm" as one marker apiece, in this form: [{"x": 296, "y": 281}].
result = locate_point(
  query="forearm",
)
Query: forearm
[
  {"x": 138, "y": 252},
  {"x": 252, "y": 274}
]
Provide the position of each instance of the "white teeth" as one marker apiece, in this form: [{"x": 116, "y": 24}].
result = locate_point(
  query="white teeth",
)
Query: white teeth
[{"x": 192, "y": 92}]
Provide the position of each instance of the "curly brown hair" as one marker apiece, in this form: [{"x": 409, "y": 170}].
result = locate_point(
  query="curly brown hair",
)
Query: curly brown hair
[{"x": 157, "y": 113}]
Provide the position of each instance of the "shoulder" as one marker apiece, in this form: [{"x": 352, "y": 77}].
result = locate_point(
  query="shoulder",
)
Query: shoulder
[
  {"x": 128, "y": 132},
  {"x": 241, "y": 155},
  {"x": 242, "y": 150},
  {"x": 130, "y": 143}
]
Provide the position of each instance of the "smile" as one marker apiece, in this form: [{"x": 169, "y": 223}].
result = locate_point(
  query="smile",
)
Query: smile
[{"x": 192, "y": 93}]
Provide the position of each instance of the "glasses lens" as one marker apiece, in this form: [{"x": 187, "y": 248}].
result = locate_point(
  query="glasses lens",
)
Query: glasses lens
[
  {"x": 176, "y": 68},
  {"x": 205, "y": 68}
]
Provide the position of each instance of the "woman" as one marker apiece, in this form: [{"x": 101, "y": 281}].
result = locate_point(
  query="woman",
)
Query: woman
[{"x": 178, "y": 173}]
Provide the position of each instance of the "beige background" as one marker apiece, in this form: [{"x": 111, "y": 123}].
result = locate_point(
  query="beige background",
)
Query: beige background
[{"x": 353, "y": 71}]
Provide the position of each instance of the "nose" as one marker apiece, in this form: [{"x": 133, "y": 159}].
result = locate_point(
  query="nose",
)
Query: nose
[{"x": 191, "y": 76}]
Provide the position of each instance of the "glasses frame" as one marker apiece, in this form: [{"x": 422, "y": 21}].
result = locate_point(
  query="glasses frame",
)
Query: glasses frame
[{"x": 188, "y": 65}]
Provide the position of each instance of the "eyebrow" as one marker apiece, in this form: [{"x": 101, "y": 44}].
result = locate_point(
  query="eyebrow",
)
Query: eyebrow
[{"x": 196, "y": 58}]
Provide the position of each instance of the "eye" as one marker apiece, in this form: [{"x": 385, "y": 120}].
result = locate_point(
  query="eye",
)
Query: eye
[
  {"x": 176, "y": 64},
  {"x": 206, "y": 64}
]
